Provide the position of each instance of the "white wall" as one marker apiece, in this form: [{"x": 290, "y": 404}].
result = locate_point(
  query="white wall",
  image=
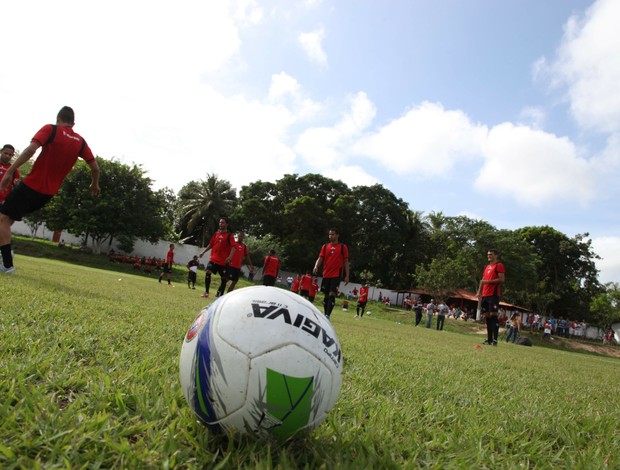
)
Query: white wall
[{"x": 182, "y": 253}]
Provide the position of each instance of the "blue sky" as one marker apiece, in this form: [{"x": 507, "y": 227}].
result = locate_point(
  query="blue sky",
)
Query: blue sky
[{"x": 507, "y": 111}]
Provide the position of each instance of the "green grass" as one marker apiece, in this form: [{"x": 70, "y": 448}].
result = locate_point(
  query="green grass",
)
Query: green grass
[{"x": 89, "y": 379}]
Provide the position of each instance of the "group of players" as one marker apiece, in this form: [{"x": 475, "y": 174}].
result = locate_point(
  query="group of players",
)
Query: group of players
[
  {"x": 61, "y": 146},
  {"x": 228, "y": 254}
]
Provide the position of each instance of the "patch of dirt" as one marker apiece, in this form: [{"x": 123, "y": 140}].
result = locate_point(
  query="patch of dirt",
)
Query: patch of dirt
[
  {"x": 597, "y": 348},
  {"x": 604, "y": 349}
]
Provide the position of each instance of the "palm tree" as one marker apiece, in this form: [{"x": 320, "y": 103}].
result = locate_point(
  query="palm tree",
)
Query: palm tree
[{"x": 201, "y": 204}]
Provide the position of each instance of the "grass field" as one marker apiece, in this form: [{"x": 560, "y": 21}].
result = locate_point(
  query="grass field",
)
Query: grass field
[{"x": 89, "y": 379}]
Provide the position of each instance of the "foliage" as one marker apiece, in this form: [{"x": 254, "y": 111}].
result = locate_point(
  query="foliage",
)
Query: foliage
[
  {"x": 605, "y": 307},
  {"x": 566, "y": 269},
  {"x": 200, "y": 206},
  {"x": 297, "y": 212},
  {"x": 258, "y": 249},
  {"x": 442, "y": 276},
  {"x": 463, "y": 243},
  {"x": 382, "y": 234},
  {"x": 169, "y": 213},
  {"x": 127, "y": 208},
  {"x": 35, "y": 220}
]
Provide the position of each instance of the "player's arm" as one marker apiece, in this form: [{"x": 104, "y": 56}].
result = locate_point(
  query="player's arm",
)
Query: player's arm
[
  {"x": 346, "y": 271},
  {"x": 317, "y": 265},
  {"x": 232, "y": 252},
  {"x": 23, "y": 158},
  {"x": 498, "y": 280},
  {"x": 94, "y": 175}
]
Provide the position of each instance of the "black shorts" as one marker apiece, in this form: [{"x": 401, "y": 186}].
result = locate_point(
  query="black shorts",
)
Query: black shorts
[
  {"x": 234, "y": 274},
  {"x": 22, "y": 200},
  {"x": 269, "y": 280},
  {"x": 217, "y": 269},
  {"x": 167, "y": 269},
  {"x": 361, "y": 304},
  {"x": 191, "y": 276},
  {"x": 330, "y": 284},
  {"x": 304, "y": 293},
  {"x": 490, "y": 304}
]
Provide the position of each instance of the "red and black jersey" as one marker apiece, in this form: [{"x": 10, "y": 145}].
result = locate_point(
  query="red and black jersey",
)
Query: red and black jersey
[
  {"x": 306, "y": 282},
  {"x": 170, "y": 257},
  {"x": 240, "y": 252},
  {"x": 492, "y": 272},
  {"x": 334, "y": 255},
  {"x": 271, "y": 266},
  {"x": 221, "y": 243},
  {"x": 363, "y": 294},
  {"x": 56, "y": 159}
]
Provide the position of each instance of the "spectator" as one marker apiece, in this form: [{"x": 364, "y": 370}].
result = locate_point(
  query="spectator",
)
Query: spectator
[{"x": 515, "y": 326}]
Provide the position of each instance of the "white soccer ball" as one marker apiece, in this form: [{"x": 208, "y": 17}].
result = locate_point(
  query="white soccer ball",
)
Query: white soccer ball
[{"x": 261, "y": 361}]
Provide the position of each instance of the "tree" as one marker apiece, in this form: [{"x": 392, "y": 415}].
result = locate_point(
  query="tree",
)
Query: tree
[
  {"x": 441, "y": 277},
  {"x": 605, "y": 306},
  {"x": 169, "y": 202},
  {"x": 201, "y": 204},
  {"x": 297, "y": 212},
  {"x": 382, "y": 233},
  {"x": 126, "y": 209},
  {"x": 567, "y": 269},
  {"x": 35, "y": 220},
  {"x": 259, "y": 249}
]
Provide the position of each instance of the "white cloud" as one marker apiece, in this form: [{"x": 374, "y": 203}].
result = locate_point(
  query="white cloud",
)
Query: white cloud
[
  {"x": 352, "y": 175},
  {"x": 312, "y": 44},
  {"x": 285, "y": 90},
  {"x": 283, "y": 85},
  {"x": 588, "y": 63},
  {"x": 427, "y": 141},
  {"x": 248, "y": 12},
  {"x": 608, "y": 248},
  {"x": 139, "y": 88},
  {"x": 324, "y": 148},
  {"x": 534, "y": 167}
]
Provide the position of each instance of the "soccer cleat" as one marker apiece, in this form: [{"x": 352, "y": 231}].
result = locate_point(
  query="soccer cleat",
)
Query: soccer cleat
[
  {"x": 6, "y": 270},
  {"x": 494, "y": 342},
  {"x": 204, "y": 294}
]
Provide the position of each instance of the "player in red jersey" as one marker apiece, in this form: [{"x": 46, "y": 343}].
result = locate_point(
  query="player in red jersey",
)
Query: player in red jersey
[
  {"x": 221, "y": 245},
  {"x": 235, "y": 260},
  {"x": 314, "y": 288},
  {"x": 334, "y": 257},
  {"x": 167, "y": 267},
  {"x": 296, "y": 284},
  {"x": 362, "y": 300},
  {"x": 6, "y": 155},
  {"x": 61, "y": 149},
  {"x": 305, "y": 284},
  {"x": 489, "y": 293},
  {"x": 271, "y": 267}
]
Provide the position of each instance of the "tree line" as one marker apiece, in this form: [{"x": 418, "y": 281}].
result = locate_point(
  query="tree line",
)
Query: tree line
[{"x": 390, "y": 245}]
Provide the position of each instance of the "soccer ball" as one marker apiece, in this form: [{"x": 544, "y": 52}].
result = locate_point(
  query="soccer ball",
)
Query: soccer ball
[{"x": 261, "y": 361}]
